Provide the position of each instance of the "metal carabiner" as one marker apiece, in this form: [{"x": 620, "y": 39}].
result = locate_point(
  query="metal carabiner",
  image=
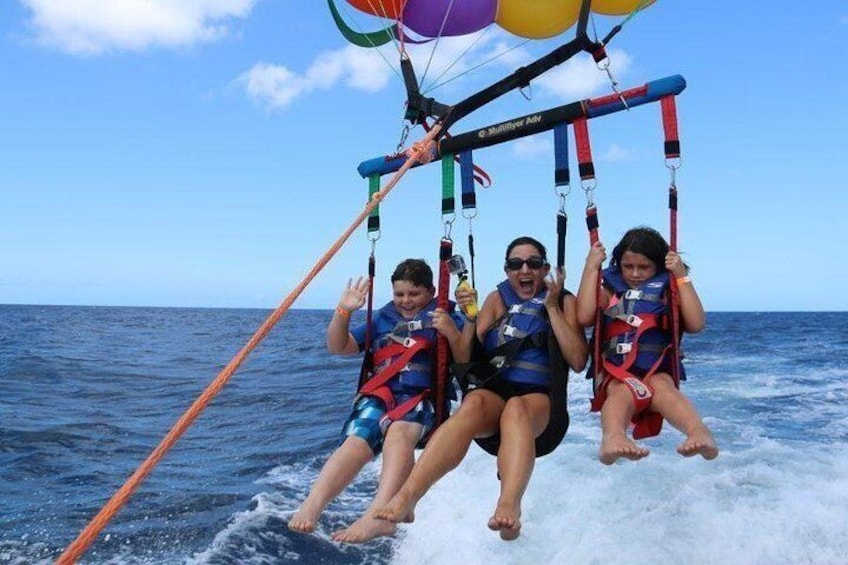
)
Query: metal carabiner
[
  {"x": 672, "y": 165},
  {"x": 449, "y": 226},
  {"x": 561, "y": 194},
  {"x": 589, "y": 188},
  {"x": 605, "y": 66},
  {"x": 403, "y": 135}
]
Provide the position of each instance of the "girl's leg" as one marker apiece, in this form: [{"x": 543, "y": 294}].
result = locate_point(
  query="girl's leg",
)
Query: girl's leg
[
  {"x": 339, "y": 470},
  {"x": 398, "y": 459},
  {"x": 523, "y": 418},
  {"x": 616, "y": 414},
  {"x": 682, "y": 414},
  {"x": 477, "y": 415}
]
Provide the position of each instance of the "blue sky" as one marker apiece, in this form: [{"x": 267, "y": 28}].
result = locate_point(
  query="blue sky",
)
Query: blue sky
[{"x": 204, "y": 153}]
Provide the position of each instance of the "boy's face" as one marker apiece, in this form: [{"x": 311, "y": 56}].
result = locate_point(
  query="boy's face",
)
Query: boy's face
[
  {"x": 410, "y": 299},
  {"x": 636, "y": 268}
]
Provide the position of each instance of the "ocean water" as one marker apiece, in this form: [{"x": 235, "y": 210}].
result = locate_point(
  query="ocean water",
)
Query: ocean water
[{"x": 87, "y": 392}]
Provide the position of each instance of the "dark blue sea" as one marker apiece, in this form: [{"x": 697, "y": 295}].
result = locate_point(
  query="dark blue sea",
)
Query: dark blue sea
[{"x": 87, "y": 392}]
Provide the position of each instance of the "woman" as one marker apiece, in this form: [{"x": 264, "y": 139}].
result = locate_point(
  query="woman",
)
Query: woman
[{"x": 514, "y": 404}]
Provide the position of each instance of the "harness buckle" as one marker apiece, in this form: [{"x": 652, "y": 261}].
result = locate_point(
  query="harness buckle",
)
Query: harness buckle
[
  {"x": 509, "y": 331},
  {"x": 623, "y": 348},
  {"x": 408, "y": 342},
  {"x": 498, "y": 361},
  {"x": 384, "y": 424},
  {"x": 634, "y": 320},
  {"x": 414, "y": 325},
  {"x": 633, "y": 294}
]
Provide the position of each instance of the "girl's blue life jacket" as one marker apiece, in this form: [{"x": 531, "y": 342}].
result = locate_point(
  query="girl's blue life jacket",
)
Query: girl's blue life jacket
[{"x": 623, "y": 320}]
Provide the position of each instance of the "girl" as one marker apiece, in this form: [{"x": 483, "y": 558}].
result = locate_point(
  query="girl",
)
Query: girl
[{"x": 634, "y": 381}]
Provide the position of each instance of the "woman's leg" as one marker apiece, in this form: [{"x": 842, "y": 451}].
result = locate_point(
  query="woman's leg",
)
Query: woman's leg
[
  {"x": 477, "y": 415},
  {"x": 682, "y": 414},
  {"x": 616, "y": 414},
  {"x": 398, "y": 459},
  {"x": 523, "y": 418}
]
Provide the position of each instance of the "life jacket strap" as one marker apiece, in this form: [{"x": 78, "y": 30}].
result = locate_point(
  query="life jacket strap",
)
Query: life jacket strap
[
  {"x": 535, "y": 367},
  {"x": 613, "y": 348},
  {"x": 512, "y": 331},
  {"x": 475, "y": 374},
  {"x": 382, "y": 377}
]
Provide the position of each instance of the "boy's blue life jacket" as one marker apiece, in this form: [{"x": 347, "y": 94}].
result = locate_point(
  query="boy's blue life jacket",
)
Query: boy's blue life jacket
[{"x": 396, "y": 338}]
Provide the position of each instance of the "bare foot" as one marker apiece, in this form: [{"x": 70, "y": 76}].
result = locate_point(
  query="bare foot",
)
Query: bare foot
[
  {"x": 700, "y": 442},
  {"x": 613, "y": 448},
  {"x": 304, "y": 520},
  {"x": 506, "y": 521},
  {"x": 364, "y": 529},
  {"x": 401, "y": 508}
]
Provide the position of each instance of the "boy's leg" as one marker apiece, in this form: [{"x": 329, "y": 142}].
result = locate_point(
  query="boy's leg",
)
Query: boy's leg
[
  {"x": 477, "y": 415},
  {"x": 339, "y": 470},
  {"x": 616, "y": 414},
  {"x": 523, "y": 418},
  {"x": 398, "y": 458},
  {"x": 682, "y": 414}
]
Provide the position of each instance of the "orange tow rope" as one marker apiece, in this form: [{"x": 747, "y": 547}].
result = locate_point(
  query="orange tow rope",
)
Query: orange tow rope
[{"x": 96, "y": 525}]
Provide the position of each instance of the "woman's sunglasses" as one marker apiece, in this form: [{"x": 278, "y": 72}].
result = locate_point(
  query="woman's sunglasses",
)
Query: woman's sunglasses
[{"x": 515, "y": 263}]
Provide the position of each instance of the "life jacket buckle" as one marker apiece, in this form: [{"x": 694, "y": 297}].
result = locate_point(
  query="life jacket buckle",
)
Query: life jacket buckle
[
  {"x": 634, "y": 320},
  {"x": 633, "y": 294},
  {"x": 515, "y": 309},
  {"x": 623, "y": 348},
  {"x": 498, "y": 361},
  {"x": 408, "y": 342},
  {"x": 509, "y": 331},
  {"x": 414, "y": 325}
]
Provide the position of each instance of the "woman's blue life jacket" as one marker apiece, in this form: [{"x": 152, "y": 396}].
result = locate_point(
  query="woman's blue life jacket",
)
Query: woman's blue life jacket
[{"x": 523, "y": 318}]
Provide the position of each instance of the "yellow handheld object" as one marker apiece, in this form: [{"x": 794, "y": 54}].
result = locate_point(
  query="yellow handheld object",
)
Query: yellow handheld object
[{"x": 456, "y": 265}]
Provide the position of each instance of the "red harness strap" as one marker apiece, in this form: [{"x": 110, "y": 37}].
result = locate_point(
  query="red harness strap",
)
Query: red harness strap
[
  {"x": 401, "y": 409},
  {"x": 646, "y": 422},
  {"x": 382, "y": 377},
  {"x": 442, "y": 347}
]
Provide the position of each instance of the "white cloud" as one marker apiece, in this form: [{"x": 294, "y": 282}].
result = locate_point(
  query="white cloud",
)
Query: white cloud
[
  {"x": 495, "y": 52},
  {"x": 580, "y": 76},
  {"x": 616, "y": 152},
  {"x": 90, "y": 27},
  {"x": 275, "y": 86},
  {"x": 532, "y": 146}
]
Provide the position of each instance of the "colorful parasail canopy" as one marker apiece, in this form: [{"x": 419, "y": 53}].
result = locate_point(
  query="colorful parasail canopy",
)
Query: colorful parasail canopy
[{"x": 534, "y": 19}]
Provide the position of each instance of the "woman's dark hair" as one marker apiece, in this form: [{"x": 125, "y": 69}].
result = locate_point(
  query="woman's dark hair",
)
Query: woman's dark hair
[
  {"x": 643, "y": 240},
  {"x": 526, "y": 240},
  {"x": 415, "y": 271}
]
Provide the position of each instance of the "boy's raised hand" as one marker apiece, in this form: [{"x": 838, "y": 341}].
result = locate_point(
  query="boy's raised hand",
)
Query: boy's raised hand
[{"x": 354, "y": 295}]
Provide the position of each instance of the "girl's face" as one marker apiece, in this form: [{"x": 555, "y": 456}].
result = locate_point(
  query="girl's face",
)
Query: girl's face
[
  {"x": 636, "y": 268},
  {"x": 526, "y": 270},
  {"x": 410, "y": 299}
]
